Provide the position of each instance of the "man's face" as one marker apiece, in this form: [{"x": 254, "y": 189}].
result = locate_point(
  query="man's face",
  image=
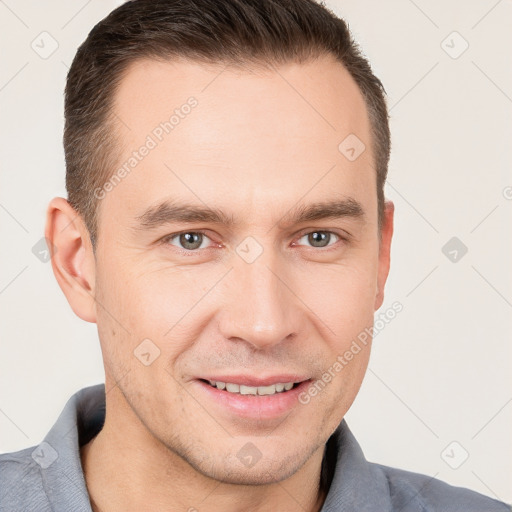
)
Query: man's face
[{"x": 263, "y": 299}]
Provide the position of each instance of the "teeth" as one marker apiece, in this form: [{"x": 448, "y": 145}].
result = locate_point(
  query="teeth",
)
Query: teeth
[
  {"x": 252, "y": 390},
  {"x": 266, "y": 390},
  {"x": 232, "y": 388},
  {"x": 248, "y": 390}
]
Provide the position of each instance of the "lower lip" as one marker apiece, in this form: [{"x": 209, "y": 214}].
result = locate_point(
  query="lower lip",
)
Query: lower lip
[{"x": 255, "y": 406}]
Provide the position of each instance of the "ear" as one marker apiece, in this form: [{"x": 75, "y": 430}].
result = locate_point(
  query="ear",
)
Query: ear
[
  {"x": 72, "y": 257},
  {"x": 384, "y": 252}
]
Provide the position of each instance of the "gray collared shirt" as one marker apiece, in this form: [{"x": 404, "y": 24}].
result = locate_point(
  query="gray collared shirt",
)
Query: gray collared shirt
[{"x": 49, "y": 477}]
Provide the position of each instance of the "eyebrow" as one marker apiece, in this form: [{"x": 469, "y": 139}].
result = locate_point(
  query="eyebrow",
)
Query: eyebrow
[{"x": 170, "y": 211}]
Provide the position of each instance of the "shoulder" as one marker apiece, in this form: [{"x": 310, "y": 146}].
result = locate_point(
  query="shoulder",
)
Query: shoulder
[
  {"x": 22, "y": 484},
  {"x": 416, "y": 492}
]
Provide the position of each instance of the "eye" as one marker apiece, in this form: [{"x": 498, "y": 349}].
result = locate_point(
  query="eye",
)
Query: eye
[
  {"x": 320, "y": 238},
  {"x": 193, "y": 241},
  {"x": 188, "y": 240}
]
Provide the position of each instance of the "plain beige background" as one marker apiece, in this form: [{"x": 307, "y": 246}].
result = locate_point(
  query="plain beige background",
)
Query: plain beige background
[{"x": 437, "y": 397}]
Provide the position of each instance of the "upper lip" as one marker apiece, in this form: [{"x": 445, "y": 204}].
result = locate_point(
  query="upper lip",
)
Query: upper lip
[{"x": 248, "y": 380}]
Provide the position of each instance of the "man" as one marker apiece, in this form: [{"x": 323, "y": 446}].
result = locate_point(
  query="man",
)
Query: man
[{"x": 229, "y": 236}]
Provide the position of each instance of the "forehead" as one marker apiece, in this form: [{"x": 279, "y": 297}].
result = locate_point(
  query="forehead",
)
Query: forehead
[
  {"x": 311, "y": 98},
  {"x": 250, "y": 134}
]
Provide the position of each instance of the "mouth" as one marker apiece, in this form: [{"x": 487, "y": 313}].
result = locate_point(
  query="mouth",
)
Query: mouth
[
  {"x": 241, "y": 389},
  {"x": 252, "y": 398}
]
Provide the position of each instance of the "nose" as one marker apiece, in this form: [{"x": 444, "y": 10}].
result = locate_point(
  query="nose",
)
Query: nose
[{"x": 258, "y": 304}]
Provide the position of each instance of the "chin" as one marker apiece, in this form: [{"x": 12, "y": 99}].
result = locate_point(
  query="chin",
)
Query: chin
[
  {"x": 254, "y": 470},
  {"x": 263, "y": 473}
]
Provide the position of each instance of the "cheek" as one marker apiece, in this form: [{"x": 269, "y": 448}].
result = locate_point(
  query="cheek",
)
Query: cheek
[
  {"x": 158, "y": 304},
  {"x": 342, "y": 298}
]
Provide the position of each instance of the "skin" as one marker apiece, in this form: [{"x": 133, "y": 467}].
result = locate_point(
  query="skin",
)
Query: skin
[{"x": 165, "y": 445}]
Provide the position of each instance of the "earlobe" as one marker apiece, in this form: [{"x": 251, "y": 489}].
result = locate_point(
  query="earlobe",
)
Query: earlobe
[
  {"x": 72, "y": 257},
  {"x": 384, "y": 252}
]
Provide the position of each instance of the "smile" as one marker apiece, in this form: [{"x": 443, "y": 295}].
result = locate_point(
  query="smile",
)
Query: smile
[
  {"x": 241, "y": 389},
  {"x": 252, "y": 397}
]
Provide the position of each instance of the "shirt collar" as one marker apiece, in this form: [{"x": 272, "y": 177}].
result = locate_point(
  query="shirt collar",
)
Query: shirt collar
[{"x": 356, "y": 483}]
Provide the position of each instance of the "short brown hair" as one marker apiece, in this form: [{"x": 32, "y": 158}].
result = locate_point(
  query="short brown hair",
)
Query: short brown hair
[{"x": 212, "y": 31}]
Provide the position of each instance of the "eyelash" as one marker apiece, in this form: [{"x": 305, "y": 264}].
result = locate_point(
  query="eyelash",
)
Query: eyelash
[{"x": 189, "y": 252}]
